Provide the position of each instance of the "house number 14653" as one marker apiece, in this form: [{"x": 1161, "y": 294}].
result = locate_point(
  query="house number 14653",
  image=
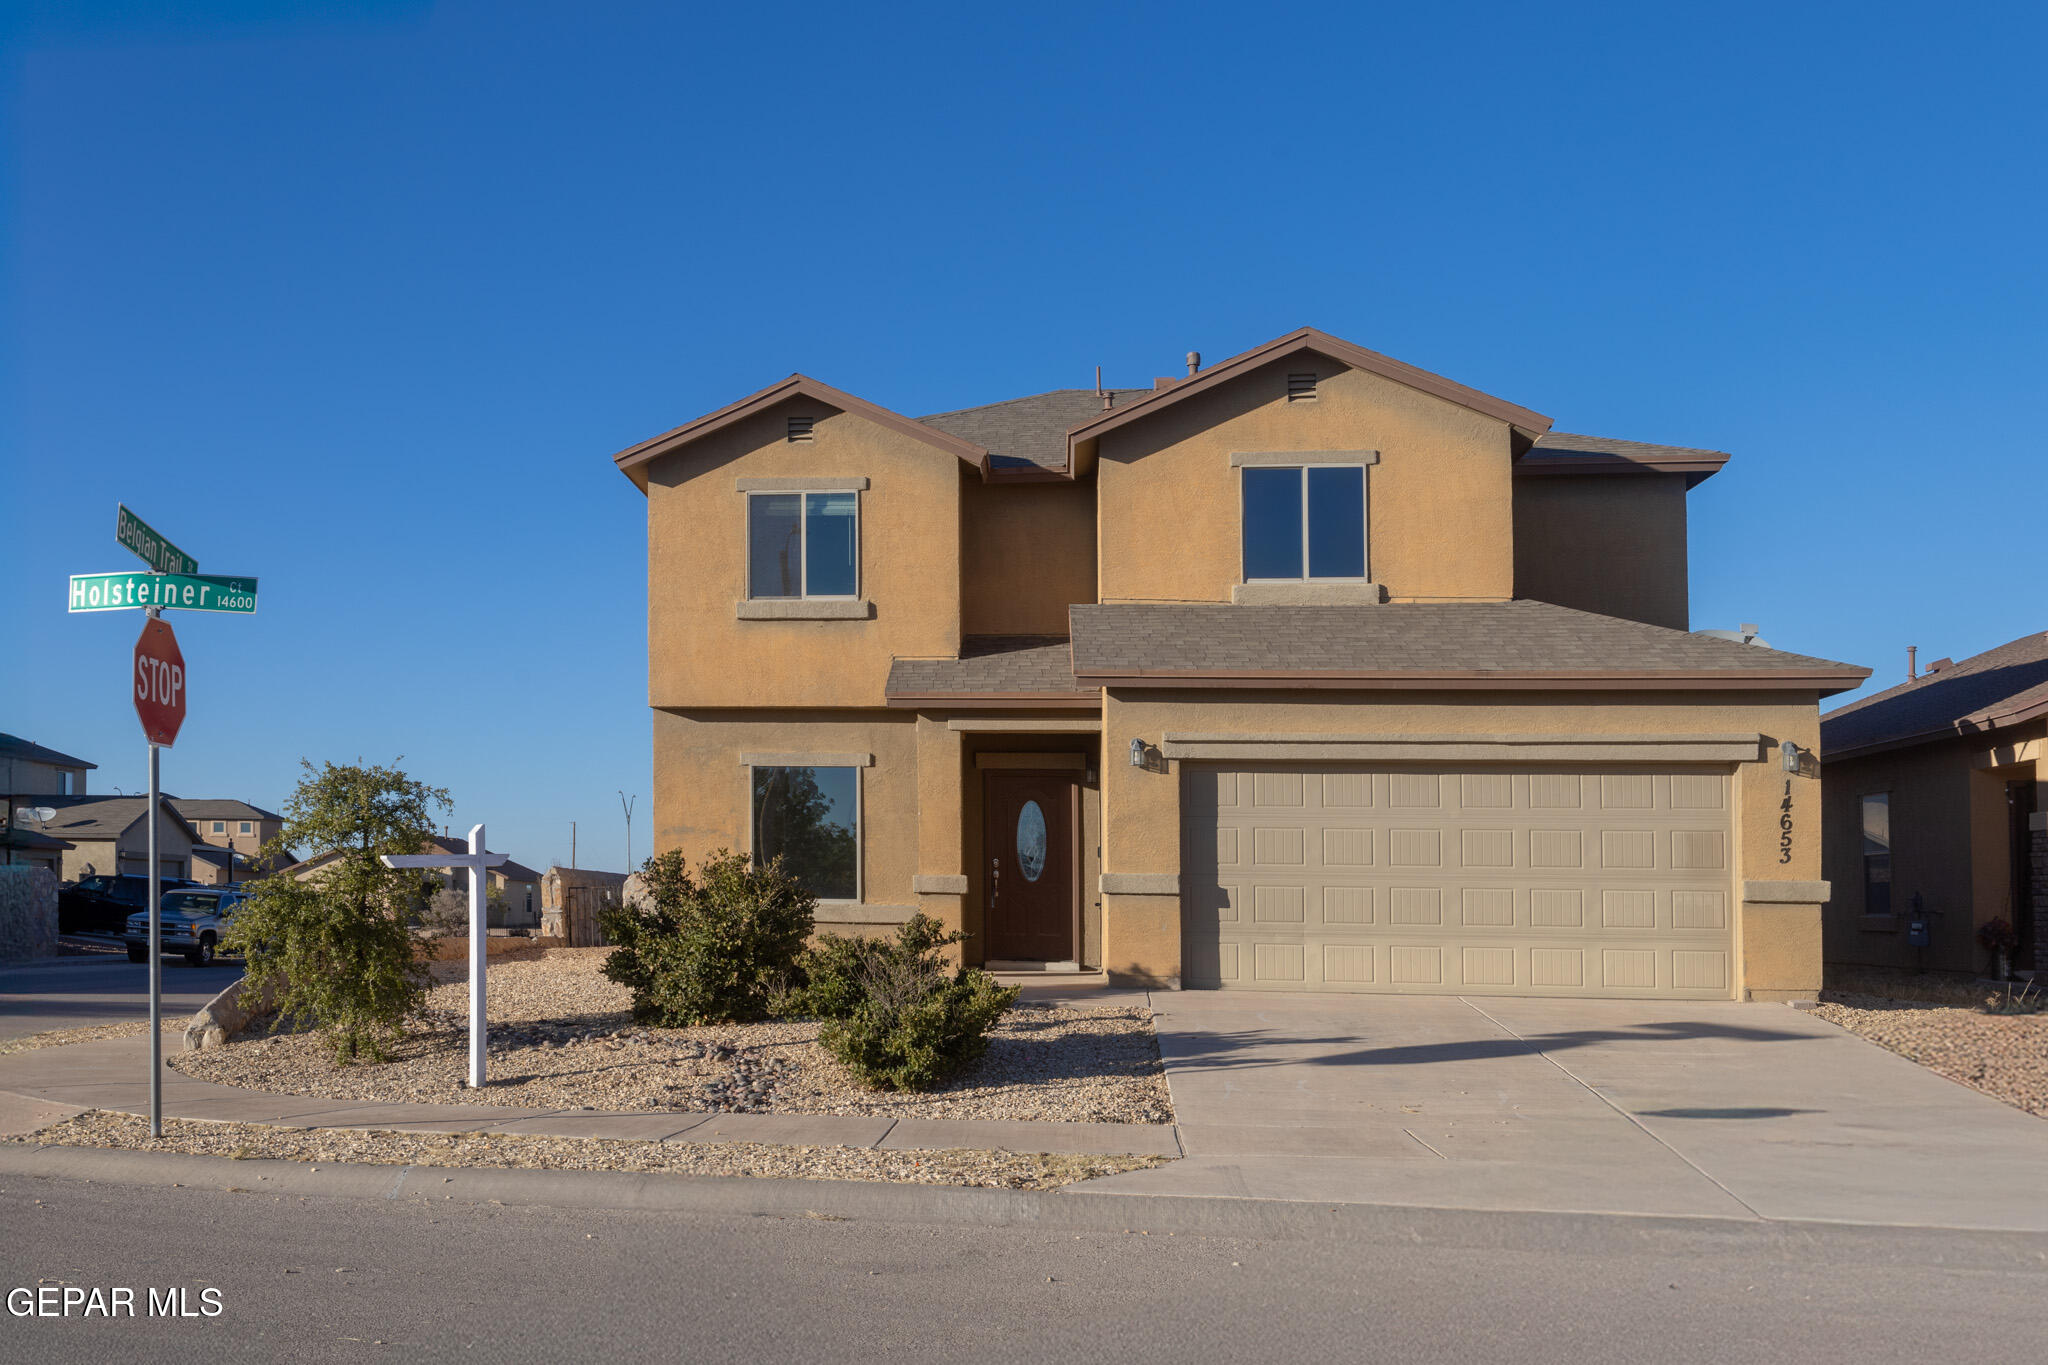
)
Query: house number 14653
[{"x": 1785, "y": 825}]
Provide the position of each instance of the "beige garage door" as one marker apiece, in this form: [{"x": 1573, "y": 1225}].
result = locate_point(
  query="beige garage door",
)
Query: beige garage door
[{"x": 1468, "y": 880}]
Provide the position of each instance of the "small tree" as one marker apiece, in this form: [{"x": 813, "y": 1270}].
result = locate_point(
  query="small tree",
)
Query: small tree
[
  {"x": 710, "y": 949},
  {"x": 338, "y": 943}
]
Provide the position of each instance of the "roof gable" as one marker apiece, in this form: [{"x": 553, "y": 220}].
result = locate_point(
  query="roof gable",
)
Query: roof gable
[
  {"x": 632, "y": 461},
  {"x": 1081, "y": 440}
]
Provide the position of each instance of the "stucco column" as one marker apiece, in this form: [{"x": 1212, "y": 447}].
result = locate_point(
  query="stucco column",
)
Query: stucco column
[
  {"x": 1777, "y": 869},
  {"x": 1140, "y": 854},
  {"x": 941, "y": 880}
]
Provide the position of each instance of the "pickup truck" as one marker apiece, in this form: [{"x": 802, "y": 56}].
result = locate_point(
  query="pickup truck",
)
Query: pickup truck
[{"x": 193, "y": 923}]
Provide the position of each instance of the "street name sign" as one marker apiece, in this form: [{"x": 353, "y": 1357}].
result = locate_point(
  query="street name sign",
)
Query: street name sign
[
  {"x": 185, "y": 591},
  {"x": 136, "y": 534},
  {"x": 159, "y": 684}
]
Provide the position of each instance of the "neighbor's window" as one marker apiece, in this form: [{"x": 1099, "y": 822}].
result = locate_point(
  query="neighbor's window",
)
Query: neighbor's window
[
  {"x": 245, "y": 827},
  {"x": 1304, "y": 522},
  {"x": 1877, "y": 854},
  {"x": 810, "y": 817},
  {"x": 64, "y": 784},
  {"x": 220, "y": 827},
  {"x": 803, "y": 544}
]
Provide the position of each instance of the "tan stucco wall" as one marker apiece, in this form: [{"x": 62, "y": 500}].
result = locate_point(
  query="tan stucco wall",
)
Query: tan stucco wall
[
  {"x": 1027, "y": 553},
  {"x": 21, "y": 777},
  {"x": 1949, "y": 844},
  {"x": 702, "y": 796},
  {"x": 1778, "y": 946},
  {"x": 263, "y": 832},
  {"x": 1440, "y": 518},
  {"x": 1610, "y": 544},
  {"x": 699, "y": 655}
]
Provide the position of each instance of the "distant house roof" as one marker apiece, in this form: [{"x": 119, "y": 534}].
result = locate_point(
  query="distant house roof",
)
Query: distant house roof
[
  {"x": 28, "y": 751},
  {"x": 207, "y": 808},
  {"x": 1563, "y": 453},
  {"x": 102, "y": 817},
  {"x": 2000, "y": 687},
  {"x": 19, "y": 837},
  {"x": 437, "y": 843},
  {"x": 992, "y": 668},
  {"x": 1030, "y": 433},
  {"x": 1516, "y": 644}
]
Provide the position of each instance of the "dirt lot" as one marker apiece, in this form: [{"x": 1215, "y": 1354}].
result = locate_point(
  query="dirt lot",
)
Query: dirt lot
[
  {"x": 562, "y": 1038},
  {"x": 1938, "y": 1022}
]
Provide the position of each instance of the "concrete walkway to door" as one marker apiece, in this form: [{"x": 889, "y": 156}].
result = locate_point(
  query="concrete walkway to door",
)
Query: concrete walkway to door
[{"x": 1673, "y": 1109}]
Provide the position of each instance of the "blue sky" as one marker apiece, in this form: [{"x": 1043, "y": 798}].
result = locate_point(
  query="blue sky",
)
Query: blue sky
[{"x": 359, "y": 298}]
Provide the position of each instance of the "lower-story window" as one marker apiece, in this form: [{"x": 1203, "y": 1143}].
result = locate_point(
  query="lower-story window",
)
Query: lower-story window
[
  {"x": 810, "y": 818},
  {"x": 1877, "y": 853}
]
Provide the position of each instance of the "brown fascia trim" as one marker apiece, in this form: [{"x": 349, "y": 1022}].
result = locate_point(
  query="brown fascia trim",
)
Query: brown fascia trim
[
  {"x": 635, "y": 456},
  {"x": 1696, "y": 467},
  {"x": 1957, "y": 729},
  {"x": 1827, "y": 684},
  {"x": 980, "y": 701},
  {"x": 1525, "y": 421}
]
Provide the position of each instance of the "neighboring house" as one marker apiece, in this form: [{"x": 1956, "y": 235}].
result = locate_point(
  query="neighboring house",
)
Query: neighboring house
[
  {"x": 1938, "y": 789},
  {"x": 108, "y": 834},
  {"x": 515, "y": 884},
  {"x": 29, "y": 769},
  {"x": 234, "y": 826},
  {"x": 1308, "y": 671}
]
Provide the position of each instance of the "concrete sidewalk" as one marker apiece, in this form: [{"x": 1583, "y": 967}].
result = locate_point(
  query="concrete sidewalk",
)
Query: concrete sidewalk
[{"x": 39, "y": 1085}]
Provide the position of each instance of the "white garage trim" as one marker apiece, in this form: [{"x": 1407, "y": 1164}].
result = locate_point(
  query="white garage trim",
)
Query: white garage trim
[{"x": 1265, "y": 748}]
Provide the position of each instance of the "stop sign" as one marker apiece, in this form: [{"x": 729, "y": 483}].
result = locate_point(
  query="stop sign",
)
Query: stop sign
[{"x": 159, "y": 683}]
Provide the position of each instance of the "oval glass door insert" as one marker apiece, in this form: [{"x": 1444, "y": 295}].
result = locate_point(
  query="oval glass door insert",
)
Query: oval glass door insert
[{"x": 1031, "y": 841}]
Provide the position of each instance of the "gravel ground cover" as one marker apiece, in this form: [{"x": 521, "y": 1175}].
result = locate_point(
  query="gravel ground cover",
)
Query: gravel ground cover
[
  {"x": 563, "y": 1038},
  {"x": 2003, "y": 1055},
  {"x": 993, "y": 1170}
]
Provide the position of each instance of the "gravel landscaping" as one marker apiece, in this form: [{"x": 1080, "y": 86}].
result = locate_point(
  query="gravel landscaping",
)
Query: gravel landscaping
[
  {"x": 563, "y": 1038},
  {"x": 2003, "y": 1055},
  {"x": 991, "y": 1170}
]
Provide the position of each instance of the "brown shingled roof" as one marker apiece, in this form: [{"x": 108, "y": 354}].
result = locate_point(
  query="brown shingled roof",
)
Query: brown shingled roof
[
  {"x": 2003, "y": 686},
  {"x": 1438, "y": 645},
  {"x": 1029, "y": 433},
  {"x": 1012, "y": 669},
  {"x": 1564, "y": 453}
]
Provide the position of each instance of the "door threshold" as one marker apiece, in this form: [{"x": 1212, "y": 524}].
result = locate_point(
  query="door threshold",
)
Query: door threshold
[{"x": 1037, "y": 968}]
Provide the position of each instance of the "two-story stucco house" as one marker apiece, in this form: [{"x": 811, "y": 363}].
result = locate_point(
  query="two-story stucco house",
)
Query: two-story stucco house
[{"x": 1308, "y": 671}]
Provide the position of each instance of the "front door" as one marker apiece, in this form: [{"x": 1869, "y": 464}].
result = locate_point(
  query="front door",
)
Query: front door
[{"x": 1029, "y": 864}]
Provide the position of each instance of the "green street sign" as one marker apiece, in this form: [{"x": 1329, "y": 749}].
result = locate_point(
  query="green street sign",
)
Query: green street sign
[
  {"x": 185, "y": 591},
  {"x": 135, "y": 533}
]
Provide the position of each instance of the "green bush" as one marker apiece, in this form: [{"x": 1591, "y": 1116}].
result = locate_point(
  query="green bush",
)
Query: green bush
[
  {"x": 710, "y": 949},
  {"x": 894, "y": 1013}
]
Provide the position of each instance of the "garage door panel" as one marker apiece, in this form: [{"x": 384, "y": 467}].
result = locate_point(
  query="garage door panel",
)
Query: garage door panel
[{"x": 1468, "y": 880}]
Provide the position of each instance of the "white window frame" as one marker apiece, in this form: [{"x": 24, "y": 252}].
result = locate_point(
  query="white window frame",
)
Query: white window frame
[
  {"x": 246, "y": 828},
  {"x": 220, "y": 827},
  {"x": 860, "y": 824},
  {"x": 803, "y": 563},
  {"x": 1364, "y": 522}
]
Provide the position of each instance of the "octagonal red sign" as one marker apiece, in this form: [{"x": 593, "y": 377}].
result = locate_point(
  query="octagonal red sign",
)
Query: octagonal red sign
[{"x": 159, "y": 680}]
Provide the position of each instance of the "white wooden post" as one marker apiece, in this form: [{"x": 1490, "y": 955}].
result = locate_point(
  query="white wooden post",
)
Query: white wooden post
[{"x": 477, "y": 861}]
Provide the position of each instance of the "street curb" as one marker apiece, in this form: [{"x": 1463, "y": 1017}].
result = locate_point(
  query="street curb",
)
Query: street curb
[{"x": 1075, "y": 1209}]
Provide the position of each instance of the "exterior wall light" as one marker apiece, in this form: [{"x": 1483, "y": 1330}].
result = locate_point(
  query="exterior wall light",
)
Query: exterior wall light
[
  {"x": 1789, "y": 753},
  {"x": 1137, "y": 753}
]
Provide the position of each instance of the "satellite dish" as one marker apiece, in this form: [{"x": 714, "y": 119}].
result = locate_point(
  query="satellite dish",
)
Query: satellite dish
[{"x": 42, "y": 815}]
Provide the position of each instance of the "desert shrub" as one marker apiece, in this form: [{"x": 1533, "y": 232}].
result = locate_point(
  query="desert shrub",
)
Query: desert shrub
[
  {"x": 338, "y": 942},
  {"x": 708, "y": 949},
  {"x": 895, "y": 1014}
]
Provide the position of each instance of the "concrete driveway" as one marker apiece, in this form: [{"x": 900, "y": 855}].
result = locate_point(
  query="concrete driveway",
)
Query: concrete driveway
[{"x": 1681, "y": 1109}]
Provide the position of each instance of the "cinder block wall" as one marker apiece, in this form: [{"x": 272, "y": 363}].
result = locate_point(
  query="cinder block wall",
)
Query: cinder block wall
[{"x": 28, "y": 913}]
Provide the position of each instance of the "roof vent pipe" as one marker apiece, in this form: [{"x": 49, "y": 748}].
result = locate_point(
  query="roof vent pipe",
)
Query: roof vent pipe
[
  {"x": 1912, "y": 662},
  {"x": 1194, "y": 363}
]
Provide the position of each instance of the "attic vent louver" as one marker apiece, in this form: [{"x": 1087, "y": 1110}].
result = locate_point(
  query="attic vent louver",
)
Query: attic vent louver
[
  {"x": 1300, "y": 387},
  {"x": 800, "y": 428}
]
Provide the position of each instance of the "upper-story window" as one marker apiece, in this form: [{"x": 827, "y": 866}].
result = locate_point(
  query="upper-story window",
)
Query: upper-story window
[
  {"x": 247, "y": 828},
  {"x": 220, "y": 827},
  {"x": 64, "y": 784},
  {"x": 1304, "y": 522},
  {"x": 803, "y": 544}
]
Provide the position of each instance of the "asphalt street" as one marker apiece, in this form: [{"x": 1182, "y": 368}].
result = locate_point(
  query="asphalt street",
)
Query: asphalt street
[
  {"x": 72, "y": 992},
  {"x": 350, "y": 1278}
]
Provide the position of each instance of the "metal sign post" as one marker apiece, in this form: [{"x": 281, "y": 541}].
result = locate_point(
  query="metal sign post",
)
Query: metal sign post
[
  {"x": 479, "y": 927},
  {"x": 157, "y": 687}
]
